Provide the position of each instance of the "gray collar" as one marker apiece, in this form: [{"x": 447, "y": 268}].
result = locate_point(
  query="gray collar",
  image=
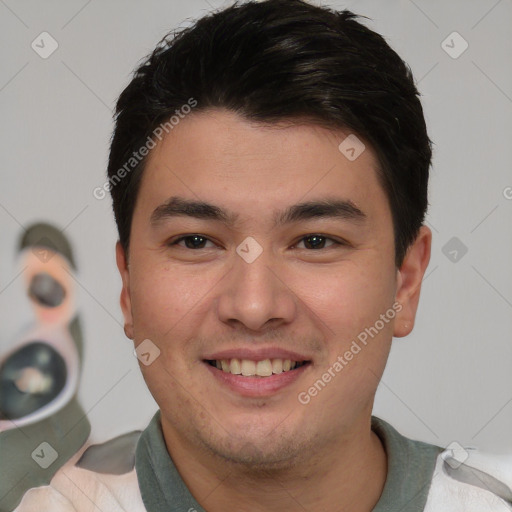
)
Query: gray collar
[
  {"x": 410, "y": 470},
  {"x": 411, "y": 467}
]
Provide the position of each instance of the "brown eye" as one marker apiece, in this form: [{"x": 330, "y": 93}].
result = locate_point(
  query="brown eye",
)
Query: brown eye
[
  {"x": 317, "y": 241},
  {"x": 191, "y": 241}
]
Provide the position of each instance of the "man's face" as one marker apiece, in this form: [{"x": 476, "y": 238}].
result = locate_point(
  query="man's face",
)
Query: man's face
[{"x": 213, "y": 296}]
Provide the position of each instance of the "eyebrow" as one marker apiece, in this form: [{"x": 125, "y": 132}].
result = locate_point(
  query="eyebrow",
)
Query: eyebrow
[{"x": 326, "y": 208}]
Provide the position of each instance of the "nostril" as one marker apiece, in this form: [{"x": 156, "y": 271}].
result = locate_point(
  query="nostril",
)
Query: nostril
[{"x": 46, "y": 290}]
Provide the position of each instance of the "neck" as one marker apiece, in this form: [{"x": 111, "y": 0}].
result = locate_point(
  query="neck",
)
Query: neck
[{"x": 347, "y": 475}]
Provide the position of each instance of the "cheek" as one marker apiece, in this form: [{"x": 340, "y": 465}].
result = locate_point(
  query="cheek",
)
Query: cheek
[
  {"x": 357, "y": 339},
  {"x": 167, "y": 300},
  {"x": 159, "y": 298},
  {"x": 349, "y": 298}
]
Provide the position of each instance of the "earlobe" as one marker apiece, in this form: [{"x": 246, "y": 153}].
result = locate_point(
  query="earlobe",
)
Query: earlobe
[
  {"x": 409, "y": 279},
  {"x": 125, "y": 299}
]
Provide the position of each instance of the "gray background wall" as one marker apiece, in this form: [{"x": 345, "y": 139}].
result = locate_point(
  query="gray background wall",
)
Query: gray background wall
[{"x": 451, "y": 379}]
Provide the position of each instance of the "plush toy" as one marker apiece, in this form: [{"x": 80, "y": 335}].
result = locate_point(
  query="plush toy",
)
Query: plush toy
[{"x": 43, "y": 427}]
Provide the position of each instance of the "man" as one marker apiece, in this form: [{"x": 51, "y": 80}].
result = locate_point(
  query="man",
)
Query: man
[{"x": 269, "y": 171}]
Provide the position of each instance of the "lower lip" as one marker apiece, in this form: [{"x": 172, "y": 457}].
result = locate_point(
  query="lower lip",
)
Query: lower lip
[{"x": 257, "y": 386}]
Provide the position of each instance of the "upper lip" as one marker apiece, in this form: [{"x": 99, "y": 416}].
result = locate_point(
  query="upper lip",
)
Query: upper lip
[{"x": 256, "y": 355}]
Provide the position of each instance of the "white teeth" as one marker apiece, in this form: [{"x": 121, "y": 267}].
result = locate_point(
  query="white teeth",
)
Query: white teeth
[
  {"x": 264, "y": 368},
  {"x": 235, "y": 367},
  {"x": 249, "y": 368},
  {"x": 277, "y": 365}
]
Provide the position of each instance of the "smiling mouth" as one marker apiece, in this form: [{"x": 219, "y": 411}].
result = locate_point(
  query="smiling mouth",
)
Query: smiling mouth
[{"x": 249, "y": 368}]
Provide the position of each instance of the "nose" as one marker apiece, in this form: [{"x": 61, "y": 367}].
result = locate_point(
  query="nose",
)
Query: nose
[
  {"x": 46, "y": 290},
  {"x": 256, "y": 294}
]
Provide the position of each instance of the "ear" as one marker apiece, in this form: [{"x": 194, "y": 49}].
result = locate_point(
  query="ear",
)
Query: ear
[
  {"x": 409, "y": 279},
  {"x": 126, "y": 304}
]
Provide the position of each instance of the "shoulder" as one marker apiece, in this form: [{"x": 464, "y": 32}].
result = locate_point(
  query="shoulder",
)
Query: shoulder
[
  {"x": 115, "y": 457},
  {"x": 101, "y": 476},
  {"x": 433, "y": 479},
  {"x": 468, "y": 480}
]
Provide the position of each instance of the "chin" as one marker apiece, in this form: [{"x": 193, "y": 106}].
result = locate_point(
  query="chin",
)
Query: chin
[
  {"x": 259, "y": 457},
  {"x": 257, "y": 450}
]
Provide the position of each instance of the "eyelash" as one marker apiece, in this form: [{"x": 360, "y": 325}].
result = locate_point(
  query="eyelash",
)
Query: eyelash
[{"x": 336, "y": 242}]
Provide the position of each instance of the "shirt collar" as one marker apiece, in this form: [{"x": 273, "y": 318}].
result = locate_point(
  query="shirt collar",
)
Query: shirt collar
[{"x": 410, "y": 468}]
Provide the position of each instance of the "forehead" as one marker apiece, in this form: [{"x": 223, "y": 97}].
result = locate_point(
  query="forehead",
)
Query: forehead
[{"x": 220, "y": 158}]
